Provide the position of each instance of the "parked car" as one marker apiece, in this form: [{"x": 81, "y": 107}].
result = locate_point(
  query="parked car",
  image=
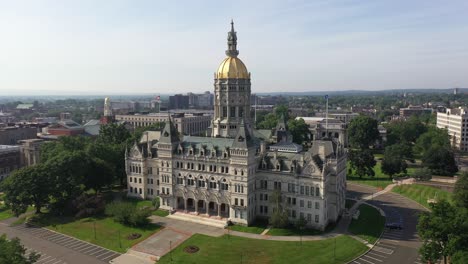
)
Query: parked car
[{"x": 394, "y": 226}]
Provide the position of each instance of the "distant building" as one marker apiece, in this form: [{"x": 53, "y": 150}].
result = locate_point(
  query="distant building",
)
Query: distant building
[
  {"x": 456, "y": 122},
  {"x": 11, "y": 135},
  {"x": 9, "y": 160},
  {"x": 179, "y": 101},
  {"x": 65, "y": 116},
  {"x": 344, "y": 117},
  {"x": 30, "y": 150},
  {"x": 320, "y": 129},
  {"x": 201, "y": 101},
  {"x": 186, "y": 124},
  {"x": 63, "y": 128},
  {"x": 414, "y": 110},
  {"x": 6, "y": 117}
]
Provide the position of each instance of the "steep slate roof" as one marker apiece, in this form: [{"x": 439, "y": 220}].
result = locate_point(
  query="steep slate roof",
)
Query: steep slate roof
[{"x": 243, "y": 139}]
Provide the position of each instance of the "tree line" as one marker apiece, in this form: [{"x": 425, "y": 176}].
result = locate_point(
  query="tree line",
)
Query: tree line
[
  {"x": 71, "y": 168},
  {"x": 406, "y": 140}
]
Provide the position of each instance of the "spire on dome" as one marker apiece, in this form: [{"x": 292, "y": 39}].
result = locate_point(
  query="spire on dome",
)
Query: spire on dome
[{"x": 232, "y": 42}]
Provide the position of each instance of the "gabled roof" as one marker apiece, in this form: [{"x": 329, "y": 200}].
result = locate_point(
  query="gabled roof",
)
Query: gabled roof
[
  {"x": 243, "y": 139},
  {"x": 169, "y": 133}
]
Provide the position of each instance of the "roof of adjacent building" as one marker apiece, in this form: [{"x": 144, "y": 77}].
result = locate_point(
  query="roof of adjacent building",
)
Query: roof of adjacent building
[{"x": 24, "y": 106}]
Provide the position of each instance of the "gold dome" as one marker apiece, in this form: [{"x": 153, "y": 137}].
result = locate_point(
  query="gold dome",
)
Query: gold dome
[{"x": 232, "y": 67}]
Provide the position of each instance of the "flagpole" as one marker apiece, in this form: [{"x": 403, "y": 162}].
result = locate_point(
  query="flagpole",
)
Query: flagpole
[
  {"x": 326, "y": 116},
  {"x": 255, "y": 124}
]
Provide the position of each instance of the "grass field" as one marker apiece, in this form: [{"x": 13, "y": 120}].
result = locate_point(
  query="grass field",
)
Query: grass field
[
  {"x": 231, "y": 249},
  {"x": 380, "y": 180},
  {"x": 6, "y": 213},
  {"x": 147, "y": 203},
  {"x": 256, "y": 228},
  {"x": 293, "y": 231},
  {"x": 102, "y": 231},
  {"x": 421, "y": 193},
  {"x": 369, "y": 225}
]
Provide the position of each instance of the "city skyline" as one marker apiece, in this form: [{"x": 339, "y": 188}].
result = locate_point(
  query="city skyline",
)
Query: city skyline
[{"x": 149, "y": 48}]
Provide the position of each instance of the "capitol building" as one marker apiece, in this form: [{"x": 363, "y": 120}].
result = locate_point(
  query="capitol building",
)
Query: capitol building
[{"x": 233, "y": 173}]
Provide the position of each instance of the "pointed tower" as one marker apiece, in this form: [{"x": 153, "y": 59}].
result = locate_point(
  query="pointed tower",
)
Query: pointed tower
[
  {"x": 232, "y": 92},
  {"x": 168, "y": 141}
]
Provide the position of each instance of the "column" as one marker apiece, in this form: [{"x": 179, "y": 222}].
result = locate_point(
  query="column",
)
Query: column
[
  {"x": 196, "y": 206},
  {"x": 185, "y": 205},
  {"x": 207, "y": 209},
  {"x": 219, "y": 210}
]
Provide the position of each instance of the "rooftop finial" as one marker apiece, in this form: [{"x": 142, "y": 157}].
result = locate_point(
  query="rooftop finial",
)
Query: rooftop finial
[{"x": 232, "y": 42}]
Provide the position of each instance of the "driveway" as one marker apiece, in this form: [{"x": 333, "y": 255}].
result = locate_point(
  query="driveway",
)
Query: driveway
[{"x": 395, "y": 246}]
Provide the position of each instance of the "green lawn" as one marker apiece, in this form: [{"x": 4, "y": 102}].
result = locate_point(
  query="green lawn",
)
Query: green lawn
[
  {"x": 256, "y": 228},
  {"x": 147, "y": 203},
  {"x": 380, "y": 180},
  {"x": 349, "y": 203},
  {"x": 369, "y": 225},
  {"x": 162, "y": 213},
  {"x": 6, "y": 213},
  {"x": 109, "y": 234},
  {"x": 421, "y": 193},
  {"x": 232, "y": 249},
  {"x": 293, "y": 231}
]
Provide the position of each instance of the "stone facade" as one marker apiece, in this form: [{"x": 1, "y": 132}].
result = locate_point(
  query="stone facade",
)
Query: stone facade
[
  {"x": 234, "y": 174},
  {"x": 9, "y": 160},
  {"x": 186, "y": 124}
]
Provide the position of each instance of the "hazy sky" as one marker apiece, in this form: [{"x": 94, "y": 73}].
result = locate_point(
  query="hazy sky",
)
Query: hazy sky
[{"x": 109, "y": 47}]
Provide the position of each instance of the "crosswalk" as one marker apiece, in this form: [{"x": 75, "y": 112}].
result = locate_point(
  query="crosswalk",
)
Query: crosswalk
[{"x": 83, "y": 247}]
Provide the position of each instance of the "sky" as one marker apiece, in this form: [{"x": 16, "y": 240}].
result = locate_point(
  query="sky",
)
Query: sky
[{"x": 130, "y": 47}]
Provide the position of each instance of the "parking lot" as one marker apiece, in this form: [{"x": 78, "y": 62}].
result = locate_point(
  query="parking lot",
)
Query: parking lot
[{"x": 83, "y": 247}]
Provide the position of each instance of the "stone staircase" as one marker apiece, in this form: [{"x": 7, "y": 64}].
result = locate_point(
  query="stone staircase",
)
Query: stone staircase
[{"x": 199, "y": 219}]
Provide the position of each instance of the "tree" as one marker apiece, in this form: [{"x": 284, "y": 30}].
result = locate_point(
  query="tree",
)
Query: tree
[
  {"x": 300, "y": 224},
  {"x": 407, "y": 131},
  {"x": 279, "y": 216},
  {"x": 440, "y": 160},
  {"x": 27, "y": 186},
  {"x": 282, "y": 110},
  {"x": 11, "y": 251},
  {"x": 270, "y": 120},
  {"x": 459, "y": 257},
  {"x": 443, "y": 231},
  {"x": 460, "y": 193},
  {"x": 113, "y": 134},
  {"x": 393, "y": 161},
  {"x": 362, "y": 162},
  {"x": 128, "y": 214},
  {"x": 299, "y": 130},
  {"x": 156, "y": 203},
  {"x": 433, "y": 137},
  {"x": 422, "y": 174},
  {"x": 363, "y": 132}
]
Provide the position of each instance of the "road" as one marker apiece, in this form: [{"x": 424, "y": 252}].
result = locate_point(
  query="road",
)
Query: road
[
  {"x": 51, "y": 252},
  {"x": 395, "y": 246}
]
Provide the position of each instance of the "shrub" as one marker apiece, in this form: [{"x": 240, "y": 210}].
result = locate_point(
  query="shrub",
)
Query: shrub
[
  {"x": 128, "y": 214},
  {"x": 155, "y": 202}
]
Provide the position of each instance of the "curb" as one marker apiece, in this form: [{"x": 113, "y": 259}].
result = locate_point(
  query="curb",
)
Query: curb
[{"x": 378, "y": 239}]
